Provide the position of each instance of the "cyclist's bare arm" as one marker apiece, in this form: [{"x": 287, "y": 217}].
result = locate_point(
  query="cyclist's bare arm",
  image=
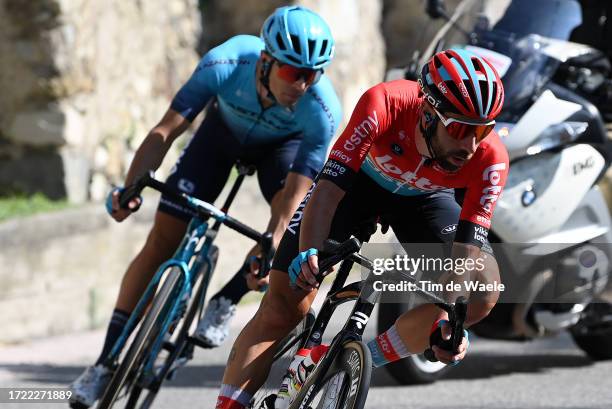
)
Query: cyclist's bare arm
[
  {"x": 153, "y": 149},
  {"x": 150, "y": 153},
  {"x": 285, "y": 202},
  {"x": 316, "y": 224}
]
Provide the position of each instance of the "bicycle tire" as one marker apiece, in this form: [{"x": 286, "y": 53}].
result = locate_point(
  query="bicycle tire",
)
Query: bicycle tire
[
  {"x": 183, "y": 328},
  {"x": 286, "y": 350},
  {"x": 350, "y": 373},
  {"x": 143, "y": 340}
]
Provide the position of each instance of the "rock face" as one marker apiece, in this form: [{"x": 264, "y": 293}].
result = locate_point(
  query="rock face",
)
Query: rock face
[
  {"x": 82, "y": 81},
  {"x": 406, "y": 27}
]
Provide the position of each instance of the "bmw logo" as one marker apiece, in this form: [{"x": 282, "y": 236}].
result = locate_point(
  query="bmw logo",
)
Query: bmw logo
[
  {"x": 587, "y": 258},
  {"x": 528, "y": 197}
]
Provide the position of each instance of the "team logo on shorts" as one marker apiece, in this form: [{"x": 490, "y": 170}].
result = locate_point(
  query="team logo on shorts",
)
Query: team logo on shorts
[
  {"x": 451, "y": 228},
  {"x": 186, "y": 186}
]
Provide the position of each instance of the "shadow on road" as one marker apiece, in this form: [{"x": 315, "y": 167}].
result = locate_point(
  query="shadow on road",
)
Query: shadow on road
[
  {"x": 189, "y": 376},
  {"x": 475, "y": 367},
  {"x": 490, "y": 365}
]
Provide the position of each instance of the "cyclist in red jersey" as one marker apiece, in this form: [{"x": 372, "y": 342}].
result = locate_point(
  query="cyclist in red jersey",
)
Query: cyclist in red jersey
[{"x": 407, "y": 146}]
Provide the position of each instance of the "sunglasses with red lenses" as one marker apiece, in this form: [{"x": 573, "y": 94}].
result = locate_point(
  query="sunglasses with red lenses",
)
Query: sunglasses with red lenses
[
  {"x": 460, "y": 128},
  {"x": 292, "y": 74}
]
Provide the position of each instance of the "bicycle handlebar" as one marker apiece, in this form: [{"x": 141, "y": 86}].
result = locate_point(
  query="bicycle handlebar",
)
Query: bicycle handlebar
[
  {"x": 203, "y": 209},
  {"x": 334, "y": 252}
]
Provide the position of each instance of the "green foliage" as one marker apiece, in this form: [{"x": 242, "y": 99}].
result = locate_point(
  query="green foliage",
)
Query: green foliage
[{"x": 20, "y": 206}]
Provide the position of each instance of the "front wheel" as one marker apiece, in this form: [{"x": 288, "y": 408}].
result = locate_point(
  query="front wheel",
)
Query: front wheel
[
  {"x": 342, "y": 385},
  {"x": 127, "y": 371},
  {"x": 593, "y": 333}
]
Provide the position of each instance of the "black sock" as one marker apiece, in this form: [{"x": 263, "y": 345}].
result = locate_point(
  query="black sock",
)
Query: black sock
[
  {"x": 236, "y": 288},
  {"x": 115, "y": 328}
]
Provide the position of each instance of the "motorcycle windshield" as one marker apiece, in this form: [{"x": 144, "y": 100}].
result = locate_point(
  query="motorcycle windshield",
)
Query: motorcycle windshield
[
  {"x": 524, "y": 38},
  {"x": 547, "y": 18}
]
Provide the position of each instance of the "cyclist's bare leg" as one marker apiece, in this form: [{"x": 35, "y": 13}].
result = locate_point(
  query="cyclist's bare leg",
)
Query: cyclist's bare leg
[
  {"x": 163, "y": 239},
  {"x": 414, "y": 326},
  {"x": 280, "y": 311}
]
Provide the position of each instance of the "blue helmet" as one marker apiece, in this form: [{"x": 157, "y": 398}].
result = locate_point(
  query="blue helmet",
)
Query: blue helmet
[{"x": 297, "y": 36}]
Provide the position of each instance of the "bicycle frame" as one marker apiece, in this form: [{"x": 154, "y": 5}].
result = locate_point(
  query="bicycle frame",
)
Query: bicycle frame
[
  {"x": 192, "y": 259},
  {"x": 365, "y": 301}
]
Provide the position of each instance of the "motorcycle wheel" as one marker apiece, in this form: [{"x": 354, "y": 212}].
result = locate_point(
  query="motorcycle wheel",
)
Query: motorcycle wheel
[
  {"x": 593, "y": 333},
  {"x": 412, "y": 370}
]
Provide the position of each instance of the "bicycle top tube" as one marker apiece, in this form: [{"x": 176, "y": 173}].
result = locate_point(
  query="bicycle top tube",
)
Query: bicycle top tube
[{"x": 202, "y": 205}]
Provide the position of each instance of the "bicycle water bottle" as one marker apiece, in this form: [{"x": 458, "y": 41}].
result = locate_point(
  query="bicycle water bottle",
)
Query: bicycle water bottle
[{"x": 301, "y": 367}]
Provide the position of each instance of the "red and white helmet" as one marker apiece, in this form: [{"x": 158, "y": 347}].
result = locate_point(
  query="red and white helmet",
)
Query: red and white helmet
[{"x": 463, "y": 85}]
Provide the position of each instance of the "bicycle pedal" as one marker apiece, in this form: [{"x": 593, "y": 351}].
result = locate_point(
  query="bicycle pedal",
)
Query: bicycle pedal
[
  {"x": 168, "y": 346},
  {"x": 199, "y": 343}
]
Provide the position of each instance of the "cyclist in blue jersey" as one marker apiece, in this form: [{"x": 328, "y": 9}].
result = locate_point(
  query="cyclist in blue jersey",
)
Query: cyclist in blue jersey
[{"x": 268, "y": 104}]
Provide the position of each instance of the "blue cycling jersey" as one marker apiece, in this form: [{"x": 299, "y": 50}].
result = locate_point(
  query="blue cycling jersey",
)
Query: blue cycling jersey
[{"x": 227, "y": 72}]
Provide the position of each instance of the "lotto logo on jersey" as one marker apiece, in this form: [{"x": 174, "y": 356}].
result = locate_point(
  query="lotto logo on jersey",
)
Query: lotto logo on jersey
[
  {"x": 361, "y": 131},
  {"x": 411, "y": 178},
  {"x": 491, "y": 193}
]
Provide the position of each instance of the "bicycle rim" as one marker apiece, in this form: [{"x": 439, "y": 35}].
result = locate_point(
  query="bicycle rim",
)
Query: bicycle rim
[
  {"x": 127, "y": 371},
  {"x": 182, "y": 330},
  {"x": 344, "y": 385}
]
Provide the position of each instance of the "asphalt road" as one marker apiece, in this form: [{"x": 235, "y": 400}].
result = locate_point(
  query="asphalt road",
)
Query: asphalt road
[{"x": 549, "y": 373}]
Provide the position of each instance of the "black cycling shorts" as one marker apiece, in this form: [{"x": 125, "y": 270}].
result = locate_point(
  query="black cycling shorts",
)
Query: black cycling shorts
[
  {"x": 427, "y": 218},
  {"x": 206, "y": 162}
]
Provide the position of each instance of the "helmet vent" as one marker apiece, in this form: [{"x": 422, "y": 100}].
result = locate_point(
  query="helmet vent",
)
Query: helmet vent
[
  {"x": 472, "y": 93},
  {"x": 323, "y": 48},
  {"x": 279, "y": 42},
  {"x": 295, "y": 41},
  {"x": 293, "y": 59},
  {"x": 311, "y": 48},
  {"x": 455, "y": 91},
  {"x": 484, "y": 92}
]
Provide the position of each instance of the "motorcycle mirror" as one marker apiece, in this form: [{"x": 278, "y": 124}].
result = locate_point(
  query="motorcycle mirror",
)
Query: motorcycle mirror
[{"x": 435, "y": 9}]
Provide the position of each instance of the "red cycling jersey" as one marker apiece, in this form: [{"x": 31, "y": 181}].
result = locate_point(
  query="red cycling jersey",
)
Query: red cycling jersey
[{"x": 380, "y": 140}]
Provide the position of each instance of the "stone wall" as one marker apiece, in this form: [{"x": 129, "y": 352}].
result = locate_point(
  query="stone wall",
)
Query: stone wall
[
  {"x": 406, "y": 28},
  {"x": 82, "y": 81}
]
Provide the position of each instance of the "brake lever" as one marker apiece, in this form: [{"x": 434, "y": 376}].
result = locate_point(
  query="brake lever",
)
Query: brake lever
[
  {"x": 456, "y": 318},
  {"x": 134, "y": 190},
  {"x": 267, "y": 251}
]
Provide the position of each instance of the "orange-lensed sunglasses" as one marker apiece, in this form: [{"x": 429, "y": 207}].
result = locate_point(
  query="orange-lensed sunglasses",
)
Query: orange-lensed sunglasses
[
  {"x": 463, "y": 128},
  {"x": 289, "y": 73}
]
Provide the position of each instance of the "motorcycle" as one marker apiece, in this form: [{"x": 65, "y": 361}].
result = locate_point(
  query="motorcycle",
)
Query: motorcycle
[{"x": 552, "y": 219}]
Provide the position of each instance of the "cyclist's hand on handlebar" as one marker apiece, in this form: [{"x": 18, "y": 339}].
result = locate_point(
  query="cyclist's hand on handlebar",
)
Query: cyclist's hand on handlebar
[
  {"x": 450, "y": 357},
  {"x": 253, "y": 260},
  {"x": 304, "y": 269},
  {"x": 114, "y": 209}
]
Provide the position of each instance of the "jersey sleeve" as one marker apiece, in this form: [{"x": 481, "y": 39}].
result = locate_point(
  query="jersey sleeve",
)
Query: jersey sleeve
[
  {"x": 203, "y": 84},
  {"x": 368, "y": 121},
  {"x": 486, "y": 184},
  {"x": 320, "y": 120}
]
